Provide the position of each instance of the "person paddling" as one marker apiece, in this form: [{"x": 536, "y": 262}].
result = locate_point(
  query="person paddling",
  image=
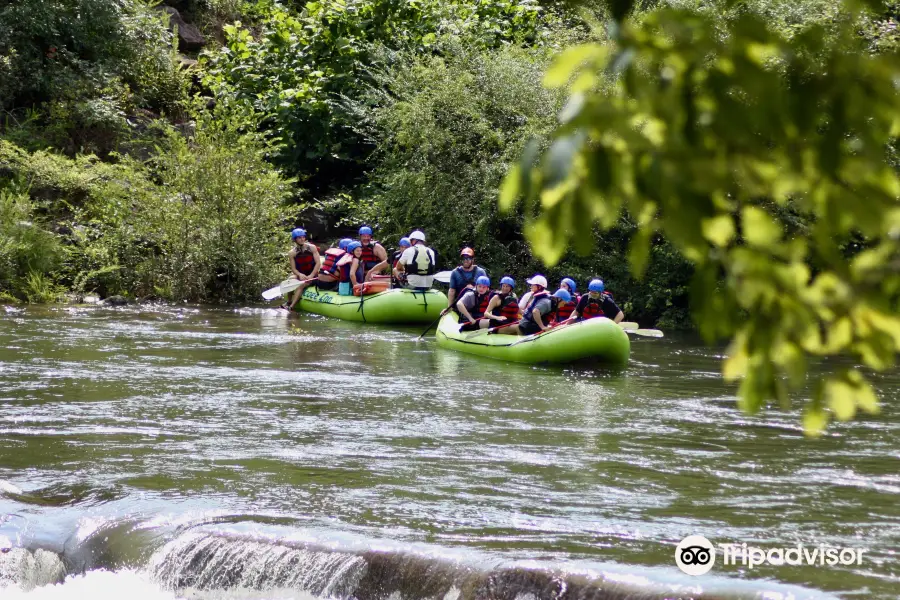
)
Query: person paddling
[
  {"x": 303, "y": 259},
  {"x": 506, "y": 302},
  {"x": 464, "y": 275},
  {"x": 417, "y": 263},
  {"x": 473, "y": 304},
  {"x": 374, "y": 256},
  {"x": 597, "y": 303},
  {"x": 569, "y": 285},
  {"x": 536, "y": 316},
  {"x": 354, "y": 270}
]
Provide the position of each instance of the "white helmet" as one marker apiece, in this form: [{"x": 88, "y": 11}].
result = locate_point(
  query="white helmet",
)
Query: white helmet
[
  {"x": 417, "y": 235},
  {"x": 538, "y": 280}
]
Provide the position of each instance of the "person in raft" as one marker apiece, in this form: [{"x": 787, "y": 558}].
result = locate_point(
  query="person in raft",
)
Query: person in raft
[
  {"x": 399, "y": 277},
  {"x": 473, "y": 304},
  {"x": 463, "y": 276},
  {"x": 417, "y": 263},
  {"x": 597, "y": 303},
  {"x": 506, "y": 302},
  {"x": 334, "y": 260},
  {"x": 569, "y": 285},
  {"x": 563, "y": 306},
  {"x": 354, "y": 270},
  {"x": 536, "y": 316},
  {"x": 374, "y": 256},
  {"x": 304, "y": 262}
]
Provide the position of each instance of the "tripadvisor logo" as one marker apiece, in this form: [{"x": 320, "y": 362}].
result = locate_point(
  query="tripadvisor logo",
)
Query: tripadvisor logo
[{"x": 696, "y": 555}]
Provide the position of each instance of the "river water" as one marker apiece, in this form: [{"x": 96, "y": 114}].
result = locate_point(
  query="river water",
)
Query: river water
[{"x": 165, "y": 452}]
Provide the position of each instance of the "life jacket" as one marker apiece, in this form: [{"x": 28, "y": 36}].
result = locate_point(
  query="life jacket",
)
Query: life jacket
[
  {"x": 421, "y": 264},
  {"x": 526, "y": 314},
  {"x": 368, "y": 258},
  {"x": 564, "y": 311},
  {"x": 344, "y": 269},
  {"x": 330, "y": 263},
  {"x": 481, "y": 301},
  {"x": 509, "y": 306},
  {"x": 305, "y": 260},
  {"x": 594, "y": 308},
  {"x": 468, "y": 276}
]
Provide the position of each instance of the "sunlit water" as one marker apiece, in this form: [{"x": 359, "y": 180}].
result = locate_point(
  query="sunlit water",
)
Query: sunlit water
[{"x": 201, "y": 453}]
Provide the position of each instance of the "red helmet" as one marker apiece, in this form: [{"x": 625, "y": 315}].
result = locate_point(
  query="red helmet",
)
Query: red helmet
[{"x": 467, "y": 252}]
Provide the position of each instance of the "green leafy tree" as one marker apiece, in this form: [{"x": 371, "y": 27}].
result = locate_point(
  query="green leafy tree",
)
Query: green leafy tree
[{"x": 723, "y": 136}]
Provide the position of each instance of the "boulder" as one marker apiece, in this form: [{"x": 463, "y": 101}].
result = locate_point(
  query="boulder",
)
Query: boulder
[
  {"x": 116, "y": 301},
  {"x": 189, "y": 37}
]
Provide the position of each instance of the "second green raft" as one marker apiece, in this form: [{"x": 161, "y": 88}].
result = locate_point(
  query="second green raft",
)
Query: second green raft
[
  {"x": 597, "y": 339},
  {"x": 391, "y": 306}
]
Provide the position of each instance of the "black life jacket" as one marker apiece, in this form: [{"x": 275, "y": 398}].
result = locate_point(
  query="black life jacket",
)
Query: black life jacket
[
  {"x": 305, "y": 260},
  {"x": 368, "y": 258},
  {"x": 332, "y": 256},
  {"x": 414, "y": 268},
  {"x": 468, "y": 276},
  {"x": 509, "y": 306},
  {"x": 526, "y": 315}
]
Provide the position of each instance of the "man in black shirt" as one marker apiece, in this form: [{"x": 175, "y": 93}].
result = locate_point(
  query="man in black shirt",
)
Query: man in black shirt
[{"x": 597, "y": 303}]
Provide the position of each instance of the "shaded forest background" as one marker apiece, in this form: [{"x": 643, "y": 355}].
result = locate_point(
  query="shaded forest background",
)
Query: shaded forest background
[{"x": 164, "y": 152}]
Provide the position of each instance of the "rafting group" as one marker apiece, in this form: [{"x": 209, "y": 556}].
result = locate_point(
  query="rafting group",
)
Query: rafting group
[
  {"x": 355, "y": 262},
  {"x": 358, "y": 280}
]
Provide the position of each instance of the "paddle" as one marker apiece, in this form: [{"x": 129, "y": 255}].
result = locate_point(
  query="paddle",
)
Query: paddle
[
  {"x": 490, "y": 330},
  {"x": 429, "y": 327},
  {"x": 629, "y": 325},
  {"x": 286, "y": 286},
  {"x": 443, "y": 276},
  {"x": 656, "y": 333}
]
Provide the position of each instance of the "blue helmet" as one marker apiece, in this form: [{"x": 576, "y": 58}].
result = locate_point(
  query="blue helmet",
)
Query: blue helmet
[
  {"x": 353, "y": 245},
  {"x": 569, "y": 282},
  {"x": 596, "y": 285},
  {"x": 299, "y": 232},
  {"x": 343, "y": 243},
  {"x": 483, "y": 280},
  {"x": 365, "y": 230},
  {"x": 563, "y": 295},
  {"x": 508, "y": 281},
  {"x": 404, "y": 242}
]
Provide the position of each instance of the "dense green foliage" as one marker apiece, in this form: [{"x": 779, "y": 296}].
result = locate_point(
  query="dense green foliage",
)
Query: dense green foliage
[
  {"x": 713, "y": 133},
  {"x": 200, "y": 221},
  {"x": 72, "y": 70},
  {"x": 302, "y": 67}
]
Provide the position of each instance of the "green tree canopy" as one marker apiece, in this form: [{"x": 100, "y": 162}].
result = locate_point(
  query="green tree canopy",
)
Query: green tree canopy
[{"x": 764, "y": 156}]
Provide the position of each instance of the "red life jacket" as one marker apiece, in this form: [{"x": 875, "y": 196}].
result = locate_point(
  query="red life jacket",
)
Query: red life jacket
[
  {"x": 564, "y": 311},
  {"x": 368, "y": 258},
  {"x": 594, "y": 308},
  {"x": 332, "y": 256},
  {"x": 509, "y": 306},
  {"x": 481, "y": 302},
  {"x": 305, "y": 260}
]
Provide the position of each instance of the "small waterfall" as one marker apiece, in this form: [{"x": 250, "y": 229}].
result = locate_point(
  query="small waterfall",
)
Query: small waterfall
[
  {"x": 28, "y": 569},
  {"x": 212, "y": 561},
  {"x": 205, "y": 561}
]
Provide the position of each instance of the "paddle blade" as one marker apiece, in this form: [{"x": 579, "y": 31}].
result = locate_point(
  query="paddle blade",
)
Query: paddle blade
[
  {"x": 288, "y": 285},
  {"x": 629, "y": 325},
  {"x": 443, "y": 276},
  {"x": 655, "y": 333}
]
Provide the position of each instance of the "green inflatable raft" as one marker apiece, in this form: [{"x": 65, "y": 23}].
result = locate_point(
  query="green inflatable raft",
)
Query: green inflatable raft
[
  {"x": 391, "y": 306},
  {"x": 597, "y": 339}
]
